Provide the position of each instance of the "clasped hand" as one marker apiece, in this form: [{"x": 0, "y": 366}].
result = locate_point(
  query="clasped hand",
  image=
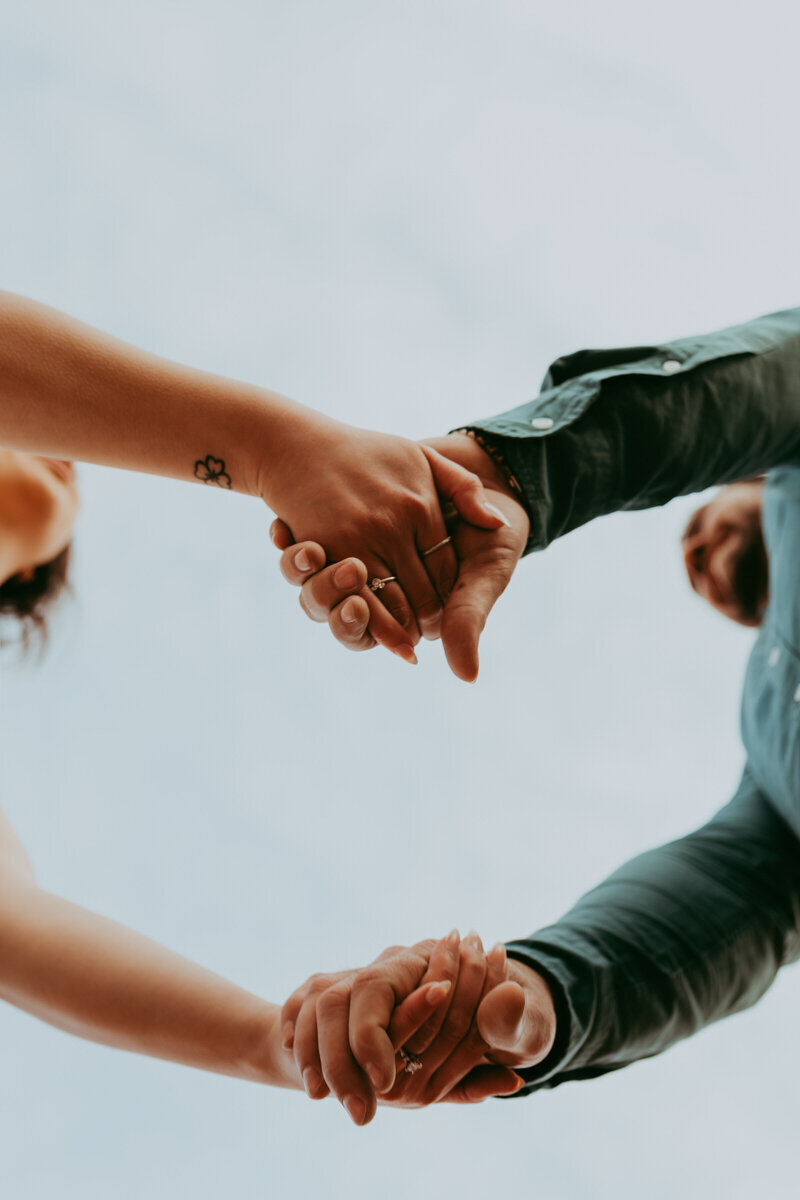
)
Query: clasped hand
[
  {"x": 438, "y": 1021},
  {"x": 448, "y": 593}
]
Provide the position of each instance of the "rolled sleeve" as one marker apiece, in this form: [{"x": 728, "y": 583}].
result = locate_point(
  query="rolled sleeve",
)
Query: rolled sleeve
[{"x": 632, "y": 428}]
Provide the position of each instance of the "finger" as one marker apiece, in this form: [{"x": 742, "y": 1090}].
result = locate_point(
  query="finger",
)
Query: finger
[
  {"x": 306, "y": 1050},
  {"x": 385, "y": 586},
  {"x": 281, "y": 534},
  {"x": 342, "y": 1073},
  {"x": 443, "y": 964},
  {"x": 289, "y": 1014},
  {"x": 465, "y": 490},
  {"x": 471, "y": 1049},
  {"x": 461, "y": 1012},
  {"x": 483, "y": 1082},
  {"x": 387, "y": 632},
  {"x": 438, "y": 558},
  {"x": 291, "y": 1009},
  {"x": 415, "y": 1010},
  {"x": 349, "y": 624},
  {"x": 301, "y": 560},
  {"x": 482, "y": 579},
  {"x": 419, "y": 592},
  {"x": 324, "y": 590},
  {"x": 513, "y": 1025},
  {"x": 376, "y": 992},
  {"x": 441, "y": 563},
  {"x": 361, "y": 622},
  {"x": 383, "y": 625}
]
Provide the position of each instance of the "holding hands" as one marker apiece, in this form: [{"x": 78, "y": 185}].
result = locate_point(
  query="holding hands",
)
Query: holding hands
[
  {"x": 471, "y": 571},
  {"x": 432, "y": 1022}
]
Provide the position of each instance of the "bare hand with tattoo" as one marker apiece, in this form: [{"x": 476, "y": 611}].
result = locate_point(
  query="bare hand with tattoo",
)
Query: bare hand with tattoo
[{"x": 71, "y": 392}]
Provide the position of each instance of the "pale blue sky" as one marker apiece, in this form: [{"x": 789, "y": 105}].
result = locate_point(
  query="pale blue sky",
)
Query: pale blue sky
[{"x": 398, "y": 214}]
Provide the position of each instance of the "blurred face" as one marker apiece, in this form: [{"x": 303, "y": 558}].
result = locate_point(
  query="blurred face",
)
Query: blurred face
[
  {"x": 725, "y": 554},
  {"x": 38, "y": 505}
]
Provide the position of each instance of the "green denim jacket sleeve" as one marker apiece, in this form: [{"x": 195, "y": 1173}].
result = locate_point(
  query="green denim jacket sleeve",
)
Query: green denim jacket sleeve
[
  {"x": 632, "y": 428},
  {"x": 695, "y": 930}
]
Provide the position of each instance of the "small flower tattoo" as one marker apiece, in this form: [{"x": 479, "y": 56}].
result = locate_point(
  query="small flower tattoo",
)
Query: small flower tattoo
[{"x": 212, "y": 470}]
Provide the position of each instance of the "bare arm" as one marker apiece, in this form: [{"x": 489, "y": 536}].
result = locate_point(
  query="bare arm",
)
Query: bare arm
[
  {"x": 69, "y": 391},
  {"x": 101, "y": 981}
]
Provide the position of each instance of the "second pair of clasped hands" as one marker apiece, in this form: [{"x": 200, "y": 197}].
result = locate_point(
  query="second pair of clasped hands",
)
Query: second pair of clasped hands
[{"x": 438, "y": 1021}]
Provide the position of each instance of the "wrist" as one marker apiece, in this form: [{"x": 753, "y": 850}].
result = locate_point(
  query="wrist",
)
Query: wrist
[
  {"x": 263, "y": 1058},
  {"x": 468, "y": 452},
  {"x": 286, "y": 439}
]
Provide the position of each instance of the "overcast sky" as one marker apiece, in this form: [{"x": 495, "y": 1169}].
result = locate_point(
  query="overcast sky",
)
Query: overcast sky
[{"x": 399, "y": 214}]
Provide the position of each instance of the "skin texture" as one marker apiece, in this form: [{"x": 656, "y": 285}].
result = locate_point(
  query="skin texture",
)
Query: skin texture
[
  {"x": 723, "y": 550},
  {"x": 487, "y": 560},
  {"x": 98, "y": 980},
  {"x": 344, "y": 1029},
  {"x": 725, "y": 555},
  {"x": 38, "y": 505},
  {"x": 497, "y": 1014},
  {"x": 74, "y": 392}
]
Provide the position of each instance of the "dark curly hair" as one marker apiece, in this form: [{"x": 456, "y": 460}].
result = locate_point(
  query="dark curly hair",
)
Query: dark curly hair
[{"x": 30, "y": 598}]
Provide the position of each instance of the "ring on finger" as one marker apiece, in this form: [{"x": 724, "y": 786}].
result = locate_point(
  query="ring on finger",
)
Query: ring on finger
[
  {"x": 444, "y": 542},
  {"x": 411, "y": 1063},
  {"x": 377, "y": 584}
]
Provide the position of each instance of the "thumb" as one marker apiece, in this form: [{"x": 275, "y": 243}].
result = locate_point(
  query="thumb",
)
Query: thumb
[
  {"x": 501, "y": 1018},
  {"x": 513, "y": 1026},
  {"x": 479, "y": 585},
  {"x": 281, "y": 534},
  {"x": 465, "y": 490}
]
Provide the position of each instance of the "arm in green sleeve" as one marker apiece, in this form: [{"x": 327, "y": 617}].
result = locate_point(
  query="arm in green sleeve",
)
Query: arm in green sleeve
[
  {"x": 675, "y": 939},
  {"x": 628, "y": 429}
]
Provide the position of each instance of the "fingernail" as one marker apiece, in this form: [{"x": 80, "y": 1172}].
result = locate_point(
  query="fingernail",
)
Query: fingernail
[
  {"x": 407, "y": 654},
  {"x": 345, "y": 576},
  {"x": 302, "y": 561},
  {"x": 287, "y": 1039},
  {"x": 520, "y": 1082},
  {"x": 498, "y": 951},
  {"x": 311, "y": 1080},
  {"x": 496, "y": 513},
  {"x": 453, "y": 938},
  {"x": 473, "y": 940},
  {"x": 349, "y": 613},
  {"x": 438, "y": 991},
  {"x": 356, "y": 1108},
  {"x": 375, "y": 1077}
]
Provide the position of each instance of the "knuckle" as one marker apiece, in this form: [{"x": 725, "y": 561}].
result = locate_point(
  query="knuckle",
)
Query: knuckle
[
  {"x": 383, "y": 524},
  {"x": 318, "y": 982},
  {"x": 369, "y": 977},
  {"x": 295, "y": 1002},
  {"x": 332, "y": 1001}
]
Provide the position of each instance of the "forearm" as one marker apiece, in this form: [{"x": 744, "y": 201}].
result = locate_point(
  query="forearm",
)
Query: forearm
[
  {"x": 616, "y": 430},
  {"x": 69, "y": 391},
  {"x": 676, "y": 939},
  {"x": 101, "y": 981}
]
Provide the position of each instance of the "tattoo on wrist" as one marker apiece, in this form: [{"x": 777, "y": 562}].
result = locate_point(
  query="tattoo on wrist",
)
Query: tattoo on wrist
[{"x": 212, "y": 470}]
